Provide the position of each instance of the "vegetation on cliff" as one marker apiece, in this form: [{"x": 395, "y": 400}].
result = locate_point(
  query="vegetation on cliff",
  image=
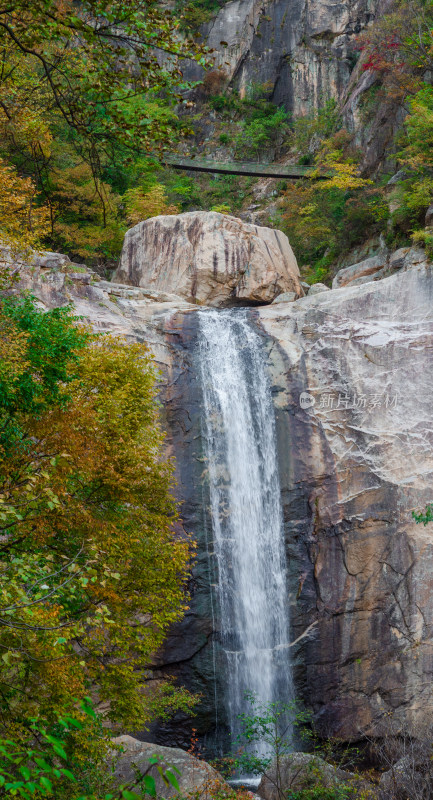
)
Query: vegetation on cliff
[
  {"x": 85, "y": 92},
  {"x": 92, "y": 574},
  {"x": 86, "y": 107}
]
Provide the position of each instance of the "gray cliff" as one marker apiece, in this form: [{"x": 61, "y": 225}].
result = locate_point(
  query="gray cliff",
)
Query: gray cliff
[
  {"x": 351, "y": 382},
  {"x": 304, "y": 51}
]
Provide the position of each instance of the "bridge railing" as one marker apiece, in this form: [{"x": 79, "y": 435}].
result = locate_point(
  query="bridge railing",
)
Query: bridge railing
[{"x": 249, "y": 169}]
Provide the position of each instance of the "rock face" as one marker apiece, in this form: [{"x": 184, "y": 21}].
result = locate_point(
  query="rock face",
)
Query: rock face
[
  {"x": 303, "y": 52},
  {"x": 195, "y": 776},
  {"x": 317, "y": 288},
  {"x": 353, "y": 465},
  {"x": 351, "y": 380},
  {"x": 378, "y": 266},
  {"x": 209, "y": 258},
  {"x": 302, "y": 771}
]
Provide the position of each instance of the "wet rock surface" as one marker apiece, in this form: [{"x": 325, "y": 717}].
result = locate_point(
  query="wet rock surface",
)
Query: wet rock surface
[
  {"x": 209, "y": 258},
  {"x": 353, "y": 399}
]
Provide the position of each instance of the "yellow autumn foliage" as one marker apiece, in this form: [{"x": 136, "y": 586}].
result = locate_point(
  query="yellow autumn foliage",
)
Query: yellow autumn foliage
[
  {"x": 141, "y": 205},
  {"x": 23, "y": 223}
]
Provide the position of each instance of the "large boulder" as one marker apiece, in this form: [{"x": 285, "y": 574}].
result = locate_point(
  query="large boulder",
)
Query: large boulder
[
  {"x": 209, "y": 258},
  {"x": 300, "y": 771},
  {"x": 195, "y": 776}
]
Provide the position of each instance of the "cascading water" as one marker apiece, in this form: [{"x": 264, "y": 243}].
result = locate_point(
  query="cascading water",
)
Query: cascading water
[{"x": 246, "y": 511}]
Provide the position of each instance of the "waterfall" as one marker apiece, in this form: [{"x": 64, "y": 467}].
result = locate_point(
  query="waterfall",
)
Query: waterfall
[{"x": 246, "y": 510}]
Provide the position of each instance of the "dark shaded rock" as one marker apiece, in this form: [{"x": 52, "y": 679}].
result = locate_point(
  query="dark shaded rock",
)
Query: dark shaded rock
[
  {"x": 429, "y": 217},
  {"x": 410, "y": 777}
]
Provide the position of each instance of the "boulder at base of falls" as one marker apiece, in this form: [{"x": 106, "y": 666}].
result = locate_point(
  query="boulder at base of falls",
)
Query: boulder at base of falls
[
  {"x": 410, "y": 777},
  {"x": 209, "y": 258},
  {"x": 300, "y": 771},
  {"x": 196, "y": 777}
]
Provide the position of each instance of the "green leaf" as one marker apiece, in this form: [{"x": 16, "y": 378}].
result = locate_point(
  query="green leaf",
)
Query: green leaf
[
  {"x": 68, "y": 774},
  {"x": 42, "y": 763},
  {"x": 171, "y": 777},
  {"x": 25, "y": 772},
  {"x": 149, "y": 785}
]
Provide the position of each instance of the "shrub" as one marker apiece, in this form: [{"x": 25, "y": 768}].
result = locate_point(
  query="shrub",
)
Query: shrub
[
  {"x": 424, "y": 238},
  {"x": 261, "y": 132},
  {"x": 223, "y": 208},
  {"x": 326, "y": 218},
  {"x": 44, "y": 767},
  {"x": 310, "y": 129},
  {"x": 141, "y": 205},
  {"x": 214, "y": 81},
  {"x": 86, "y": 520}
]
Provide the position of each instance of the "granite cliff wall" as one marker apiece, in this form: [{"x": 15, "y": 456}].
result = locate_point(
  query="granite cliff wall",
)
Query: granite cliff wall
[
  {"x": 304, "y": 51},
  {"x": 350, "y": 373},
  {"x": 353, "y": 465},
  {"x": 302, "y": 54}
]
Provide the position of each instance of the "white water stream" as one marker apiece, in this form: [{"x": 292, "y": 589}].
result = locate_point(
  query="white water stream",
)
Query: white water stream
[{"x": 246, "y": 511}]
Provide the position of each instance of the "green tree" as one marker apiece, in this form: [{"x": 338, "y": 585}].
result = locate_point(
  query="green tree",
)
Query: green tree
[
  {"x": 95, "y": 66},
  {"x": 85, "y": 88},
  {"x": 414, "y": 192},
  {"x": 44, "y": 767},
  {"x": 325, "y": 218},
  {"x": 268, "y": 733},
  {"x": 92, "y": 575},
  {"x": 265, "y": 130}
]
